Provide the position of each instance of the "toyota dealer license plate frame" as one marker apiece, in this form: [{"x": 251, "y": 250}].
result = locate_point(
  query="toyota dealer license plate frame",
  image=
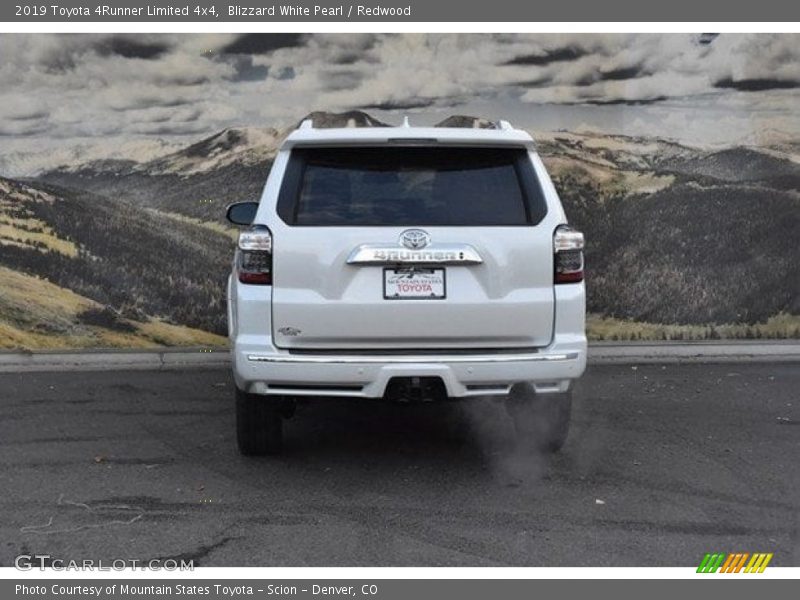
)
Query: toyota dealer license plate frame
[{"x": 414, "y": 283}]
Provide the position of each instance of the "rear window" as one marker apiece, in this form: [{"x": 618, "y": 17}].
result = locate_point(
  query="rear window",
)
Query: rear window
[{"x": 408, "y": 186}]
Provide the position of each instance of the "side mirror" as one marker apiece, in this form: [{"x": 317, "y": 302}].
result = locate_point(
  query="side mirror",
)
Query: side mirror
[{"x": 242, "y": 213}]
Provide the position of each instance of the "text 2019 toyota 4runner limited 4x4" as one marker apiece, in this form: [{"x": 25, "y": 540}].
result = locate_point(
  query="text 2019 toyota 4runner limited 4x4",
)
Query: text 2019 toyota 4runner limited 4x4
[{"x": 406, "y": 263}]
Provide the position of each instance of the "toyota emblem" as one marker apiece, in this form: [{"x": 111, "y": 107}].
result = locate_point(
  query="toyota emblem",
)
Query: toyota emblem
[{"x": 415, "y": 239}]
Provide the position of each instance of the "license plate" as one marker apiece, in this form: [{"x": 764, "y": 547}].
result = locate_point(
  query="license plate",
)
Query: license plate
[{"x": 414, "y": 284}]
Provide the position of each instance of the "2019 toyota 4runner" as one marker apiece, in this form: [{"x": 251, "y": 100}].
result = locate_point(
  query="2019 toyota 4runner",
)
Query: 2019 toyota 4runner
[{"x": 410, "y": 264}]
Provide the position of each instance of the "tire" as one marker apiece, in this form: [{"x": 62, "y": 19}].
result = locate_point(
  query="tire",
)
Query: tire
[
  {"x": 259, "y": 424},
  {"x": 540, "y": 419}
]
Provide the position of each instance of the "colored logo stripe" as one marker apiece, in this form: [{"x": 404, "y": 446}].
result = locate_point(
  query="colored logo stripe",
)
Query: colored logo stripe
[
  {"x": 758, "y": 563},
  {"x": 741, "y": 562},
  {"x": 710, "y": 563},
  {"x": 735, "y": 562}
]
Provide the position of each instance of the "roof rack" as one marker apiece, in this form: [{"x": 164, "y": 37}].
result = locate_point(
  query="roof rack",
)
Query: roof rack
[{"x": 501, "y": 124}]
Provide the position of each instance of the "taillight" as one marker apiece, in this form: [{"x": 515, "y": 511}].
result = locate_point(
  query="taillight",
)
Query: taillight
[
  {"x": 567, "y": 255},
  {"x": 254, "y": 260}
]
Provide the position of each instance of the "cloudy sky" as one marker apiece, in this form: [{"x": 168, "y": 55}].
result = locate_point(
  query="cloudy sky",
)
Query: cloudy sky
[{"x": 56, "y": 89}]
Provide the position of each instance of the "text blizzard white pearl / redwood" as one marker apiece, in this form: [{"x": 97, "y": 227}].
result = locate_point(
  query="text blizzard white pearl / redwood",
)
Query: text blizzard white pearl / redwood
[{"x": 294, "y": 10}]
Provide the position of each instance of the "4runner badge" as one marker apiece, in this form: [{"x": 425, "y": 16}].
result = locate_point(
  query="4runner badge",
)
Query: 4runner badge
[
  {"x": 289, "y": 331},
  {"x": 415, "y": 239}
]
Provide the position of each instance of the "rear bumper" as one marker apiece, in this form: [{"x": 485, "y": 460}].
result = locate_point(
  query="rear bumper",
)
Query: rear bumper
[
  {"x": 260, "y": 367},
  {"x": 550, "y": 369}
]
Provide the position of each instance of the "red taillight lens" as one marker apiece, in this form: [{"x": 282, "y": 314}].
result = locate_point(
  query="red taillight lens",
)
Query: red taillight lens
[
  {"x": 568, "y": 255},
  {"x": 254, "y": 258}
]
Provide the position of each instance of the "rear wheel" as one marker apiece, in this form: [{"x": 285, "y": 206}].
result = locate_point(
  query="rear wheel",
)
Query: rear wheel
[
  {"x": 540, "y": 419},
  {"x": 259, "y": 424}
]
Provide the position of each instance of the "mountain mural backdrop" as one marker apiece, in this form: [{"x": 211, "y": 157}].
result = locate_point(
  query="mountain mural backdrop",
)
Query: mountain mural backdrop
[{"x": 684, "y": 242}]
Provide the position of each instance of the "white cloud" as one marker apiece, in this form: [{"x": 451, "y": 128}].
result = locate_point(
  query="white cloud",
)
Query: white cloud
[{"x": 64, "y": 86}]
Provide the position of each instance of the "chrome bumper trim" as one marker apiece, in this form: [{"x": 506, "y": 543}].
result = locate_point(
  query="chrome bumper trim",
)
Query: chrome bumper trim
[{"x": 349, "y": 360}]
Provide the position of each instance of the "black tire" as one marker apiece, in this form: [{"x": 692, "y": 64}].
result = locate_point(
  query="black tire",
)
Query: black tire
[
  {"x": 259, "y": 424},
  {"x": 540, "y": 419}
]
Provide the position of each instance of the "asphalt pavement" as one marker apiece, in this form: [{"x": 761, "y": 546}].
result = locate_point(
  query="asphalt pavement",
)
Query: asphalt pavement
[{"x": 663, "y": 464}]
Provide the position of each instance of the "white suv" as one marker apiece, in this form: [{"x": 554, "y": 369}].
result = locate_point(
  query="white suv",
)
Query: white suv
[{"x": 410, "y": 264}]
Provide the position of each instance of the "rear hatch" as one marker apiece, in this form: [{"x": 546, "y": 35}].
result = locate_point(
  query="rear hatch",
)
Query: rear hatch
[{"x": 411, "y": 248}]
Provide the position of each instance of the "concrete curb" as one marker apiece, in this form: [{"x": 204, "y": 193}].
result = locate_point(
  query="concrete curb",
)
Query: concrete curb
[
  {"x": 698, "y": 352},
  {"x": 114, "y": 360},
  {"x": 599, "y": 353}
]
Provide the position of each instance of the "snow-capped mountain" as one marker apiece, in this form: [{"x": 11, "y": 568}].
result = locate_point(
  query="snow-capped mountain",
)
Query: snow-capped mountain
[
  {"x": 244, "y": 145},
  {"x": 352, "y": 118}
]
